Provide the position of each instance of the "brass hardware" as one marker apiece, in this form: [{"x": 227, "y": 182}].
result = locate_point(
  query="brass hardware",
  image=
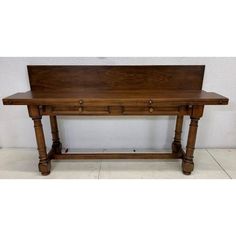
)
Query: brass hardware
[
  {"x": 151, "y": 109},
  {"x": 150, "y": 101},
  {"x": 81, "y": 108}
]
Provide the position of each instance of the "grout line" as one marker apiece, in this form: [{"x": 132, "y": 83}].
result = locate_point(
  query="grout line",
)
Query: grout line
[
  {"x": 99, "y": 171},
  {"x": 219, "y": 164}
]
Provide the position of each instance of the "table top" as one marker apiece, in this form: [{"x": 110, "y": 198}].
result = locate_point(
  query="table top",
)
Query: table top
[{"x": 110, "y": 97}]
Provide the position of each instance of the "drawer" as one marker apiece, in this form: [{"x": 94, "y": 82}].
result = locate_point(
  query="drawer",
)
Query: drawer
[
  {"x": 150, "y": 110},
  {"x": 76, "y": 110}
]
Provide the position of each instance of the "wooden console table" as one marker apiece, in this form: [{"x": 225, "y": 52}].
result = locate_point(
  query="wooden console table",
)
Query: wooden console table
[{"x": 115, "y": 91}]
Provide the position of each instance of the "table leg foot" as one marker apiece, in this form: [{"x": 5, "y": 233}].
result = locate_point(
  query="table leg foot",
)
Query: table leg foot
[
  {"x": 45, "y": 168},
  {"x": 187, "y": 167}
]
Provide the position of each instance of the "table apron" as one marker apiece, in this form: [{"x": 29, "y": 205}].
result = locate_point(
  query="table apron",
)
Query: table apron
[{"x": 114, "y": 110}]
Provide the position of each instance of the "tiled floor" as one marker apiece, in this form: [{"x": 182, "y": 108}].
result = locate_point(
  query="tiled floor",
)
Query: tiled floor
[{"x": 209, "y": 164}]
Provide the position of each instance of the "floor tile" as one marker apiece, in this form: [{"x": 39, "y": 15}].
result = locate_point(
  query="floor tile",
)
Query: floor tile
[
  {"x": 23, "y": 163},
  {"x": 226, "y": 158},
  {"x": 205, "y": 168}
]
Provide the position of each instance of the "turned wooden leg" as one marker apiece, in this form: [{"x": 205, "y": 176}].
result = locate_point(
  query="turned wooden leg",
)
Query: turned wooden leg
[
  {"x": 56, "y": 144},
  {"x": 187, "y": 164},
  {"x": 176, "y": 145},
  {"x": 44, "y": 162}
]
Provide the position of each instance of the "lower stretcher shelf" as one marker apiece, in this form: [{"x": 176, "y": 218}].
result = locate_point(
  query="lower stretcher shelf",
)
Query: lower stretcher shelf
[{"x": 116, "y": 155}]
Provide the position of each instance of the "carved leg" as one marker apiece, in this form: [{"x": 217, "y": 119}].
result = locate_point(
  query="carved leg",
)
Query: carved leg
[
  {"x": 187, "y": 164},
  {"x": 56, "y": 145},
  {"x": 44, "y": 162},
  {"x": 176, "y": 145}
]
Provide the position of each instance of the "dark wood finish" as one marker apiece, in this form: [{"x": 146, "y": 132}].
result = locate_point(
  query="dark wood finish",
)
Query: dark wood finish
[
  {"x": 93, "y": 97},
  {"x": 44, "y": 163},
  {"x": 56, "y": 144},
  {"x": 86, "y": 156},
  {"x": 116, "y": 91},
  {"x": 65, "y": 78},
  {"x": 187, "y": 164},
  {"x": 176, "y": 145}
]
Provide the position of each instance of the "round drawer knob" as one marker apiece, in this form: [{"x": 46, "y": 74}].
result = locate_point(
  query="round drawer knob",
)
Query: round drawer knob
[
  {"x": 151, "y": 109},
  {"x": 81, "y": 102}
]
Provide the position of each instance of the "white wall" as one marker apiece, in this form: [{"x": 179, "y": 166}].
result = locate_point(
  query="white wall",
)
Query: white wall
[{"x": 216, "y": 129}]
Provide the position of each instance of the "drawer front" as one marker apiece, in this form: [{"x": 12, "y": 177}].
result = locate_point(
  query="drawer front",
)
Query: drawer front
[
  {"x": 76, "y": 110},
  {"x": 111, "y": 110},
  {"x": 152, "y": 110}
]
